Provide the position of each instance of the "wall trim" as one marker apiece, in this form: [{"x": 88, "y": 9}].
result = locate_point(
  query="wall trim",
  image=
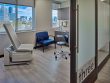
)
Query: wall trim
[{"x": 103, "y": 63}]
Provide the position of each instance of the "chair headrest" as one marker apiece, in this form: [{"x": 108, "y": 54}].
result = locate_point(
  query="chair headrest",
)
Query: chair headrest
[{"x": 12, "y": 35}]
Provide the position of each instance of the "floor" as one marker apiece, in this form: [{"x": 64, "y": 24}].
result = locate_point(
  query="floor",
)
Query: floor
[
  {"x": 43, "y": 69},
  {"x": 104, "y": 75}
]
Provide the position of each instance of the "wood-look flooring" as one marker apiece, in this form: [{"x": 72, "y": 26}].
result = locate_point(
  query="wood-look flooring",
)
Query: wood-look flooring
[
  {"x": 43, "y": 69},
  {"x": 104, "y": 75}
]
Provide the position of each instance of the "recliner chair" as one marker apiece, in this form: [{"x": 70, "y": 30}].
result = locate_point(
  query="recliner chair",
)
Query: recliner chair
[{"x": 16, "y": 53}]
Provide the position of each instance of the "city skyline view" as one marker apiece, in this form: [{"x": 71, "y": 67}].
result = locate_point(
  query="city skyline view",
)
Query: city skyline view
[
  {"x": 22, "y": 10},
  {"x": 24, "y": 16}
]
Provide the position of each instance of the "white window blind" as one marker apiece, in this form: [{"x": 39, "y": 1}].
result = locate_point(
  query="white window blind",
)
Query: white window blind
[{"x": 55, "y": 6}]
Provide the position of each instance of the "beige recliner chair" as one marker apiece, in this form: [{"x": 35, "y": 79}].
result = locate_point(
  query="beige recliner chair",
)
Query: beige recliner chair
[{"x": 16, "y": 53}]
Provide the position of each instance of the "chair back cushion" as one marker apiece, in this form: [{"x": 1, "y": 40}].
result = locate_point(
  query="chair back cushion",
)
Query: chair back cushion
[
  {"x": 42, "y": 36},
  {"x": 12, "y": 35}
]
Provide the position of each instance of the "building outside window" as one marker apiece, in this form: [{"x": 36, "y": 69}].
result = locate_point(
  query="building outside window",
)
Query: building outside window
[
  {"x": 7, "y": 14},
  {"x": 21, "y": 17},
  {"x": 24, "y": 18}
]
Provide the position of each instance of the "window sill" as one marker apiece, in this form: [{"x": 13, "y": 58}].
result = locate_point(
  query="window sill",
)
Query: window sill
[
  {"x": 3, "y": 33},
  {"x": 25, "y": 31}
]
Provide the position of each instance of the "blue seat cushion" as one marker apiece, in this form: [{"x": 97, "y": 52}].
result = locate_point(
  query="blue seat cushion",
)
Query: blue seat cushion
[{"x": 46, "y": 42}]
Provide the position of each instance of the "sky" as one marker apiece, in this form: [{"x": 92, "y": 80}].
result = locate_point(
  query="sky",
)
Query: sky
[{"x": 24, "y": 11}]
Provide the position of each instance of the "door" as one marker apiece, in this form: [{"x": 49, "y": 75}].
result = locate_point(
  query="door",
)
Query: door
[
  {"x": 86, "y": 44},
  {"x": 83, "y": 45}
]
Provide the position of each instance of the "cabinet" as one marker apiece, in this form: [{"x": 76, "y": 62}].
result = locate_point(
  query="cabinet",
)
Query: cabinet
[
  {"x": 63, "y": 13},
  {"x": 64, "y": 33}
]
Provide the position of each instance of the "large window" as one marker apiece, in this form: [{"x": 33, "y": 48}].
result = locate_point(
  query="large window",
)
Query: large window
[
  {"x": 7, "y": 14},
  {"x": 19, "y": 16},
  {"x": 24, "y": 18},
  {"x": 55, "y": 22}
]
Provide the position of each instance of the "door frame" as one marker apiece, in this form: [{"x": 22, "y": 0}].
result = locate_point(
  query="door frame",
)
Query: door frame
[
  {"x": 73, "y": 27},
  {"x": 73, "y": 64}
]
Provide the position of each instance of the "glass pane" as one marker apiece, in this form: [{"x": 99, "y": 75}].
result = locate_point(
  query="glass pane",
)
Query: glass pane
[
  {"x": 1, "y": 17},
  {"x": 24, "y": 18},
  {"x": 55, "y": 22},
  {"x": 7, "y": 14},
  {"x": 103, "y": 31},
  {"x": 86, "y": 54}
]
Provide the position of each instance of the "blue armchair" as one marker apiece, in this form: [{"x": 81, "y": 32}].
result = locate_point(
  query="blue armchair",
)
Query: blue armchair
[{"x": 42, "y": 39}]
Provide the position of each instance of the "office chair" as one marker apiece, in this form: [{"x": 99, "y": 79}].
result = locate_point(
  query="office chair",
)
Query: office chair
[{"x": 60, "y": 40}]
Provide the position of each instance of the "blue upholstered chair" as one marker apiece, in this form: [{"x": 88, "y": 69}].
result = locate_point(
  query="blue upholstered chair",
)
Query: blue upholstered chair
[{"x": 42, "y": 39}]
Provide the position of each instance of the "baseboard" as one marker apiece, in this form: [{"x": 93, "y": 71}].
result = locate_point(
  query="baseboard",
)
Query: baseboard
[
  {"x": 92, "y": 77},
  {"x": 103, "y": 63},
  {"x": 1, "y": 56}
]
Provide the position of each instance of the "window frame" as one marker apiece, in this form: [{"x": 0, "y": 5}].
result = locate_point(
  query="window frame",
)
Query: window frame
[
  {"x": 16, "y": 22},
  {"x": 33, "y": 28}
]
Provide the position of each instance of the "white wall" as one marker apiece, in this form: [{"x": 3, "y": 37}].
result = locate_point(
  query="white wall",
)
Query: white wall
[
  {"x": 103, "y": 24},
  {"x": 86, "y": 31},
  {"x": 44, "y": 15}
]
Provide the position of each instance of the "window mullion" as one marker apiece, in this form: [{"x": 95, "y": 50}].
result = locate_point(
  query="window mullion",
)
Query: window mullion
[{"x": 16, "y": 25}]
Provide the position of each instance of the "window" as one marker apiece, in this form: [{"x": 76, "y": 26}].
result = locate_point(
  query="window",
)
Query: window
[
  {"x": 24, "y": 18},
  {"x": 7, "y": 14},
  {"x": 19, "y": 14},
  {"x": 1, "y": 17},
  {"x": 55, "y": 22}
]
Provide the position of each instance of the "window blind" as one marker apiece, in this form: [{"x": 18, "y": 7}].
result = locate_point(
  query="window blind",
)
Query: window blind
[
  {"x": 55, "y": 6},
  {"x": 8, "y": 1},
  {"x": 20, "y": 2}
]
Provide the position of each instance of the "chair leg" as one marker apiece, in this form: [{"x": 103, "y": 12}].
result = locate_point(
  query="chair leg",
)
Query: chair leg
[
  {"x": 55, "y": 45},
  {"x": 43, "y": 48},
  {"x": 35, "y": 46}
]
